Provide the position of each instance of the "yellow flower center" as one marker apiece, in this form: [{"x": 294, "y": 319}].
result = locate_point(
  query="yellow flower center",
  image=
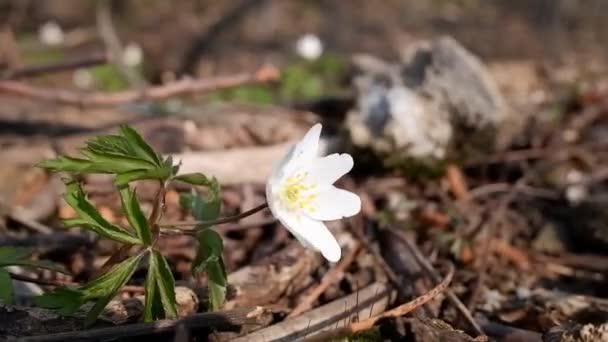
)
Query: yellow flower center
[{"x": 294, "y": 193}]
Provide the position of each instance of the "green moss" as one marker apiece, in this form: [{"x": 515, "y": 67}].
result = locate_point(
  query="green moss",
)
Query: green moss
[
  {"x": 371, "y": 335},
  {"x": 245, "y": 94},
  {"x": 43, "y": 56},
  {"x": 107, "y": 77}
]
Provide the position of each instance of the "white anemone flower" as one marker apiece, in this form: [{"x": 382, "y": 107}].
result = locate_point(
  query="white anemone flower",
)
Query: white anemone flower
[{"x": 300, "y": 193}]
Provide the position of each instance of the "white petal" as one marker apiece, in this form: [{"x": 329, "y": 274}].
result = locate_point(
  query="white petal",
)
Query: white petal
[
  {"x": 327, "y": 170},
  {"x": 311, "y": 233},
  {"x": 305, "y": 151},
  {"x": 334, "y": 204},
  {"x": 278, "y": 168}
]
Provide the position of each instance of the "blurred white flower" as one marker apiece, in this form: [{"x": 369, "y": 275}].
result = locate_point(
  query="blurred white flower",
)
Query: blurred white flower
[
  {"x": 132, "y": 55},
  {"x": 309, "y": 47},
  {"x": 51, "y": 34},
  {"x": 300, "y": 193},
  {"x": 82, "y": 78}
]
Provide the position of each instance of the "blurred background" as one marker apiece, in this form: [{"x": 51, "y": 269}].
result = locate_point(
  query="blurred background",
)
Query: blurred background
[{"x": 478, "y": 129}]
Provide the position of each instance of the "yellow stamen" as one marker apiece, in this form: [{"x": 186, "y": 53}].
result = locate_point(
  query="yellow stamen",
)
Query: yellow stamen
[{"x": 294, "y": 193}]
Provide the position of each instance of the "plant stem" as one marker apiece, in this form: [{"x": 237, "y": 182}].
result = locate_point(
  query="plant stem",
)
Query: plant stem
[{"x": 215, "y": 222}]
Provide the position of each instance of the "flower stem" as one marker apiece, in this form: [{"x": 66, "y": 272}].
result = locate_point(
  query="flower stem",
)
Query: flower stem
[{"x": 218, "y": 221}]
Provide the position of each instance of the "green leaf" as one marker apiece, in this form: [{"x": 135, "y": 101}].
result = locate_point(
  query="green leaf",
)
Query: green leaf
[
  {"x": 66, "y": 301},
  {"x": 127, "y": 155},
  {"x": 91, "y": 218},
  {"x": 115, "y": 163},
  {"x": 112, "y": 282},
  {"x": 210, "y": 250},
  {"x": 141, "y": 148},
  {"x": 103, "y": 285},
  {"x": 164, "y": 283},
  {"x": 217, "y": 284},
  {"x": 125, "y": 178},
  {"x": 198, "y": 179},
  {"x": 6, "y": 287},
  {"x": 202, "y": 209},
  {"x": 210, "y": 259},
  {"x": 135, "y": 216},
  {"x": 66, "y": 164},
  {"x": 153, "y": 307}
]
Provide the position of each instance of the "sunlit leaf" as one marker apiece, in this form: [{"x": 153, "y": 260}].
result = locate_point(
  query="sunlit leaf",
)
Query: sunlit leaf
[
  {"x": 125, "y": 178},
  {"x": 107, "y": 286},
  {"x": 165, "y": 283},
  {"x": 103, "y": 285},
  {"x": 91, "y": 218},
  {"x": 126, "y": 155},
  {"x": 153, "y": 307},
  {"x": 210, "y": 259},
  {"x": 139, "y": 145},
  {"x": 135, "y": 216}
]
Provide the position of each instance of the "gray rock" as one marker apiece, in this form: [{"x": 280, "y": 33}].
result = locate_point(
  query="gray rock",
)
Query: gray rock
[{"x": 439, "y": 103}]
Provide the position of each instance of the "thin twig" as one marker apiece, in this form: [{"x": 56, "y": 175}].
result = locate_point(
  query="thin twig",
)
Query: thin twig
[
  {"x": 496, "y": 217},
  {"x": 399, "y": 311},
  {"x": 37, "y": 70},
  {"x": 391, "y": 275},
  {"x": 332, "y": 277},
  {"x": 212, "y": 222},
  {"x": 431, "y": 272},
  {"x": 157, "y": 93}
]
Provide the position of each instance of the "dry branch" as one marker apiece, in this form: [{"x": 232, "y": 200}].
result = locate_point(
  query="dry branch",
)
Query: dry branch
[
  {"x": 431, "y": 272},
  {"x": 181, "y": 87},
  {"x": 223, "y": 320},
  {"x": 37, "y": 70},
  {"x": 401, "y": 310},
  {"x": 332, "y": 277},
  {"x": 367, "y": 302}
]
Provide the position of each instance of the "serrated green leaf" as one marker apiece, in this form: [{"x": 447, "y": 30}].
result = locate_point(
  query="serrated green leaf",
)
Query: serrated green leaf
[
  {"x": 165, "y": 283},
  {"x": 125, "y": 178},
  {"x": 134, "y": 215},
  {"x": 6, "y": 287},
  {"x": 120, "y": 276},
  {"x": 65, "y": 300},
  {"x": 66, "y": 164},
  {"x": 141, "y": 148},
  {"x": 217, "y": 291},
  {"x": 125, "y": 154},
  {"x": 206, "y": 209},
  {"x": 153, "y": 307},
  {"x": 199, "y": 179},
  {"x": 92, "y": 219},
  {"x": 117, "y": 163},
  {"x": 210, "y": 259},
  {"x": 115, "y": 144},
  {"x": 105, "y": 284},
  {"x": 210, "y": 250}
]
